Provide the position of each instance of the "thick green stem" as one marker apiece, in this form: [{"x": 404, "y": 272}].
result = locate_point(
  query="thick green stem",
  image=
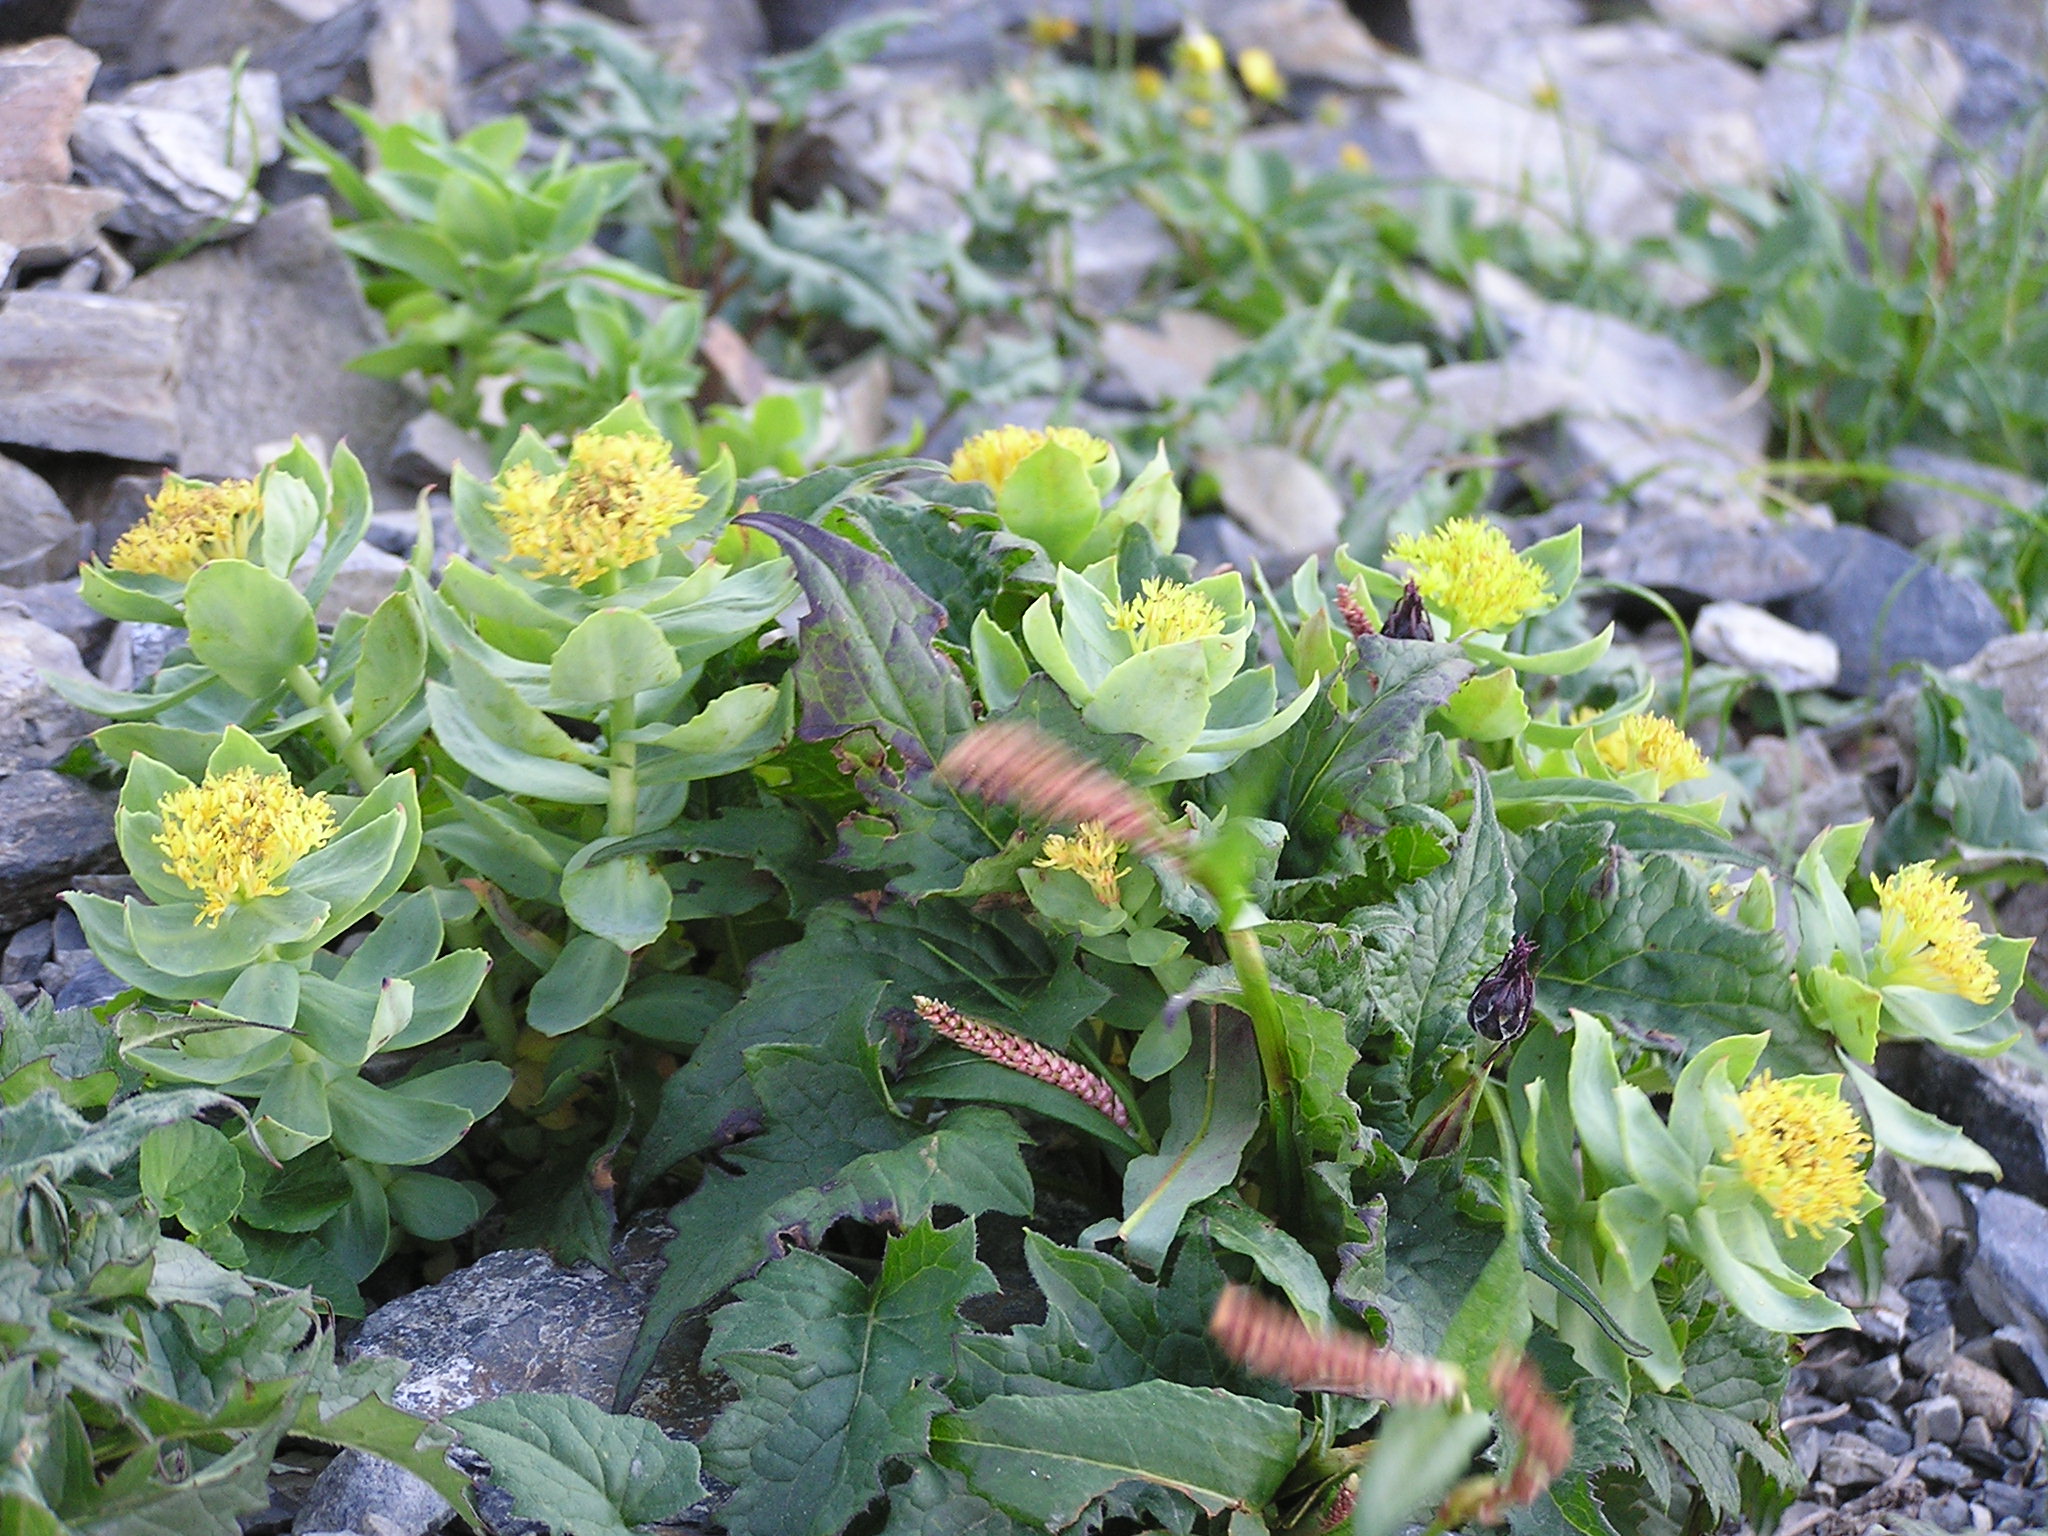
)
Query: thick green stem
[
  {"x": 361, "y": 767},
  {"x": 622, "y": 814},
  {"x": 1270, "y": 1032}
]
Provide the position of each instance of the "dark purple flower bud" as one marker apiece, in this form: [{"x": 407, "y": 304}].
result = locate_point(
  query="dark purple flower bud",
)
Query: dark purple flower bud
[
  {"x": 1501, "y": 1002},
  {"x": 1407, "y": 620}
]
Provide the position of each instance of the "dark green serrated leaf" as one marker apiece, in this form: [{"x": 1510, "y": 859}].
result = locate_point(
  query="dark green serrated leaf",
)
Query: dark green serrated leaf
[{"x": 583, "y": 1471}]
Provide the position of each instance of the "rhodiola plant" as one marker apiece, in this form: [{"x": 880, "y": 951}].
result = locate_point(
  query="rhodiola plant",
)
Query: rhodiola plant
[{"x": 862, "y": 858}]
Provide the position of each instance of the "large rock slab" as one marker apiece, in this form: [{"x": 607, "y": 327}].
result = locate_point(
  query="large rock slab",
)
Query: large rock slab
[
  {"x": 1697, "y": 556},
  {"x": 1277, "y": 496},
  {"x": 270, "y": 326},
  {"x": 170, "y": 170},
  {"x": 1886, "y": 608},
  {"x": 185, "y": 34},
  {"x": 1393, "y": 424},
  {"x": 42, "y": 88},
  {"x": 1741, "y": 24},
  {"x": 1947, "y": 496},
  {"x": 36, "y": 726},
  {"x": 1470, "y": 37},
  {"x": 1868, "y": 106},
  {"x": 2000, "y": 1102},
  {"x": 87, "y": 373},
  {"x": 47, "y": 224},
  {"x": 52, "y": 829}
]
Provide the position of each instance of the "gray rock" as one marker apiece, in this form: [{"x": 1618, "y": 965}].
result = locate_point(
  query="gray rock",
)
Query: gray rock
[
  {"x": 1927, "y": 1354},
  {"x": 1888, "y": 1437},
  {"x": 1850, "y": 1461},
  {"x": 412, "y": 59},
  {"x": 56, "y": 605},
  {"x": 25, "y": 953},
  {"x": 1882, "y": 1378},
  {"x": 1948, "y": 1512},
  {"x": 1968, "y": 497},
  {"x": 1980, "y": 1391},
  {"x": 1738, "y": 24},
  {"x": 85, "y": 373},
  {"x": 430, "y": 446},
  {"x": 243, "y": 108},
  {"x": 1867, "y": 106},
  {"x": 2017, "y": 666},
  {"x": 1936, "y": 1420},
  {"x": 2000, "y": 1102},
  {"x": 86, "y": 983},
  {"x": 170, "y": 169},
  {"x": 1738, "y": 635},
  {"x": 1697, "y": 556},
  {"x": 1942, "y": 1470},
  {"x": 2007, "y": 1502},
  {"x": 1394, "y": 425},
  {"x": 2008, "y": 1275},
  {"x": 1885, "y": 608},
  {"x": 1468, "y": 37},
  {"x": 36, "y": 726},
  {"x": 271, "y": 324},
  {"x": 1977, "y": 1444},
  {"x": 1279, "y": 498},
  {"x": 484, "y": 30},
  {"x": 1172, "y": 358},
  {"x": 38, "y": 539},
  {"x": 1318, "y": 41},
  {"x": 368, "y": 1496},
  {"x": 52, "y": 828},
  {"x": 188, "y": 33},
  {"x": 42, "y": 88},
  {"x": 1112, "y": 256},
  {"x": 48, "y": 224}
]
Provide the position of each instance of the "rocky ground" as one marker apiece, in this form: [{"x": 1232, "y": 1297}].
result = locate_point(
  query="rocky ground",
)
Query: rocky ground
[{"x": 174, "y": 298}]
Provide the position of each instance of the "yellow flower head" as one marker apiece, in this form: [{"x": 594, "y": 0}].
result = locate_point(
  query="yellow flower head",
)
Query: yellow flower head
[
  {"x": 620, "y": 494},
  {"x": 1090, "y": 853},
  {"x": 1353, "y": 157},
  {"x": 993, "y": 456},
  {"x": 1544, "y": 97},
  {"x": 1198, "y": 53},
  {"x": 1925, "y": 937},
  {"x": 1148, "y": 83},
  {"x": 1165, "y": 613},
  {"x": 1467, "y": 568},
  {"x": 1050, "y": 31},
  {"x": 188, "y": 524},
  {"x": 1802, "y": 1149},
  {"x": 1261, "y": 76},
  {"x": 1652, "y": 742},
  {"x": 233, "y": 836}
]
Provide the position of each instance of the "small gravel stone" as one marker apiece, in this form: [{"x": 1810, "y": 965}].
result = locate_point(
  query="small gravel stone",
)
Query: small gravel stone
[
  {"x": 1888, "y": 1437},
  {"x": 1980, "y": 1391},
  {"x": 2019, "y": 1356},
  {"x": 1806, "y": 1446},
  {"x": 2009, "y": 1503},
  {"x": 1938, "y": 1420},
  {"x": 25, "y": 953},
  {"x": 1878, "y": 1413},
  {"x": 1939, "y": 1468},
  {"x": 1885, "y": 1324},
  {"x": 1977, "y": 1443},
  {"x": 1883, "y": 1378},
  {"x": 1850, "y": 1461},
  {"x": 1929, "y": 1304},
  {"x": 1929, "y": 1352},
  {"x": 1951, "y": 1512}
]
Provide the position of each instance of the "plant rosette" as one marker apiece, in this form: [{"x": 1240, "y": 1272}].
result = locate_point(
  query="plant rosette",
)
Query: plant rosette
[
  {"x": 1164, "y": 664},
  {"x": 1048, "y": 485},
  {"x": 1086, "y": 883},
  {"x": 1760, "y": 1185}
]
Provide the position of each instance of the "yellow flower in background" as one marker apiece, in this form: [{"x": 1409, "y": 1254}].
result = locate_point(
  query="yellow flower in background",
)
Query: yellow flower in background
[
  {"x": 1353, "y": 157},
  {"x": 1261, "y": 76},
  {"x": 993, "y": 456},
  {"x": 188, "y": 524},
  {"x": 1802, "y": 1149},
  {"x": 232, "y": 837},
  {"x": 1049, "y": 31},
  {"x": 1925, "y": 937},
  {"x": 1198, "y": 53},
  {"x": 610, "y": 508},
  {"x": 1468, "y": 569},
  {"x": 1165, "y": 613},
  {"x": 1655, "y": 743},
  {"x": 1544, "y": 97},
  {"x": 1090, "y": 853},
  {"x": 1148, "y": 82}
]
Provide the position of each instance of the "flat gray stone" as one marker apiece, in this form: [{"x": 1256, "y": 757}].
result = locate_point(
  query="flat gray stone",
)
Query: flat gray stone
[
  {"x": 48, "y": 224},
  {"x": 42, "y": 87},
  {"x": 1738, "y": 635},
  {"x": 1696, "y": 556},
  {"x": 90, "y": 373},
  {"x": 36, "y": 726},
  {"x": 2000, "y": 1102},
  {"x": 1972, "y": 496},
  {"x": 2017, "y": 666},
  {"x": 271, "y": 324},
  {"x": 1277, "y": 496},
  {"x": 39, "y": 541},
  {"x": 57, "y": 606},
  {"x": 52, "y": 829},
  {"x": 188, "y": 33},
  {"x": 171, "y": 170},
  {"x": 1741, "y": 24}
]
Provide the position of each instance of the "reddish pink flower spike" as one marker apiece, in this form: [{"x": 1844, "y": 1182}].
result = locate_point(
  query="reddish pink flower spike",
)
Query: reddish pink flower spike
[
  {"x": 1017, "y": 764},
  {"x": 1026, "y": 1056},
  {"x": 1269, "y": 1340}
]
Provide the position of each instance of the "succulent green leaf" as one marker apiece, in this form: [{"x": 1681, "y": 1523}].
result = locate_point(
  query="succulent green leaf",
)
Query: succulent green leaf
[
  {"x": 613, "y": 654},
  {"x": 249, "y": 626}
]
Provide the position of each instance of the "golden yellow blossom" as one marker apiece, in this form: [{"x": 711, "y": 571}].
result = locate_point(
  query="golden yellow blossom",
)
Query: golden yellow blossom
[
  {"x": 1148, "y": 82},
  {"x": 993, "y": 456},
  {"x": 1925, "y": 937},
  {"x": 1544, "y": 97},
  {"x": 1652, "y": 742},
  {"x": 188, "y": 524},
  {"x": 1468, "y": 569},
  {"x": 1199, "y": 53},
  {"x": 610, "y": 508},
  {"x": 1090, "y": 853},
  {"x": 1165, "y": 613},
  {"x": 1050, "y": 31},
  {"x": 1802, "y": 1149},
  {"x": 1261, "y": 76},
  {"x": 1353, "y": 157},
  {"x": 232, "y": 837}
]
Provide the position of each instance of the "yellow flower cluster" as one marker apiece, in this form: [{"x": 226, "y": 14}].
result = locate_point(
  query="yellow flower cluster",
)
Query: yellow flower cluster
[
  {"x": 1925, "y": 937},
  {"x": 1261, "y": 75},
  {"x": 232, "y": 837},
  {"x": 1166, "y": 613},
  {"x": 610, "y": 508},
  {"x": 1050, "y": 31},
  {"x": 1802, "y": 1149},
  {"x": 1090, "y": 853},
  {"x": 993, "y": 456},
  {"x": 188, "y": 524},
  {"x": 1652, "y": 742},
  {"x": 1468, "y": 569},
  {"x": 1198, "y": 53}
]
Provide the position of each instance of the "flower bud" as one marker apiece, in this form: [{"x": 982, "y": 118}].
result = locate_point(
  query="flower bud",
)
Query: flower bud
[{"x": 1500, "y": 1004}]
